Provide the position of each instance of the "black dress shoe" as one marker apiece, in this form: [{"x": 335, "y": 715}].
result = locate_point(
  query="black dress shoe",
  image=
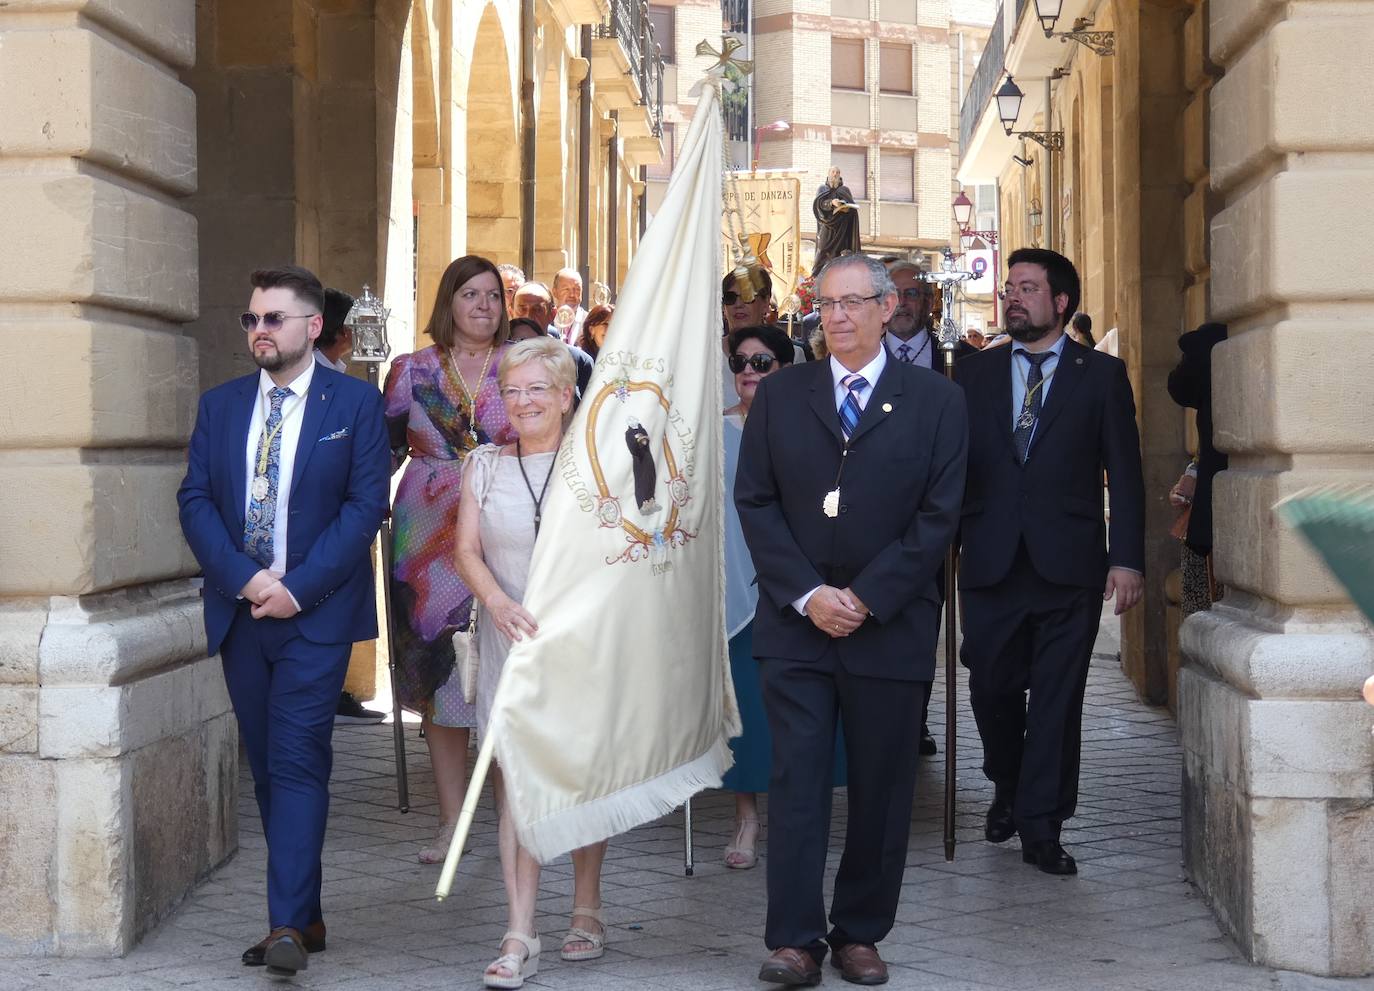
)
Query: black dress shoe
[
  {"x": 927, "y": 747},
  {"x": 1049, "y": 856},
  {"x": 285, "y": 953},
  {"x": 312, "y": 935},
  {"x": 1000, "y": 825}
]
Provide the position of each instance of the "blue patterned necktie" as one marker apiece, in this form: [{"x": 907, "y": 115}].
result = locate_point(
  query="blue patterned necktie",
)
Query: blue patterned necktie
[
  {"x": 1029, "y": 413},
  {"x": 262, "y": 512},
  {"x": 850, "y": 410}
]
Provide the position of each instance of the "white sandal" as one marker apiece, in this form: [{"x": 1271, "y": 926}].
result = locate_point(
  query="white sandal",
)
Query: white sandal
[
  {"x": 576, "y": 934},
  {"x": 738, "y": 855},
  {"x": 520, "y": 967}
]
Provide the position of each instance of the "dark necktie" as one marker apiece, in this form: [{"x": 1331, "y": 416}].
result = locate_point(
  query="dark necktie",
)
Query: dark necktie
[
  {"x": 850, "y": 411},
  {"x": 1029, "y": 412}
]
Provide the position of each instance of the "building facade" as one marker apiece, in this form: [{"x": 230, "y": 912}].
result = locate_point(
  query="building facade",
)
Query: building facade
[
  {"x": 151, "y": 155},
  {"x": 1187, "y": 171}
]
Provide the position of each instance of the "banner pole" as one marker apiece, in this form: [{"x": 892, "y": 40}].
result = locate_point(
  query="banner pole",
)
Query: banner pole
[{"x": 460, "y": 831}]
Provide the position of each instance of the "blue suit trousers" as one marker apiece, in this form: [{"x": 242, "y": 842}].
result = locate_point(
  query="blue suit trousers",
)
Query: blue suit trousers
[{"x": 285, "y": 691}]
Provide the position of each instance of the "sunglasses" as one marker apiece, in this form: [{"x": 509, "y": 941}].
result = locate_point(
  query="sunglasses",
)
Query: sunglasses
[
  {"x": 731, "y": 298},
  {"x": 761, "y": 363},
  {"x": 270, "y": 321}
]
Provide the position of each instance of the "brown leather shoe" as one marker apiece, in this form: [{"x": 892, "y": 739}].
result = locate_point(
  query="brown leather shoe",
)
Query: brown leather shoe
[
  {"x": 285, "y": 953},
  {"x": 313, "y": 935},
  {"x": 791, "y": 967},
  {"x": 859, "y": 963}
]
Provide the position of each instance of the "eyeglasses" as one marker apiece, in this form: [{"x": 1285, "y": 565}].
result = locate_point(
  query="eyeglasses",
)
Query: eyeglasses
[
  {"x": 845, "y": 304},
  {"x": 270, "y": 321},
  {"x": 916, "y": 293},
  {"x": 761, "y": 363},
  {"x": 535, "y": 393},
  {"x": 731, "y": 298},
  {"x": 1023, "y": 290}
]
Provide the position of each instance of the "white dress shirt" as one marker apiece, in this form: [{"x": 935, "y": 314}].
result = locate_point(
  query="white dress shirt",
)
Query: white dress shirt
[
  {"x": 921, "y": 351},
  {"x": 292, "y": 413},
  {"x": 838, "y": 374}
]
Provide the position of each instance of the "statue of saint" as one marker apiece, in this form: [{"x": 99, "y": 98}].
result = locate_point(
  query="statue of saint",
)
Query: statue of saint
[{"x": 837, "y": 220}]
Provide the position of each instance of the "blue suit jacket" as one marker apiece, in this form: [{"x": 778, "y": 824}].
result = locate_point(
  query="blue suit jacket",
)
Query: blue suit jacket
[{"x": 339, "y": 496}]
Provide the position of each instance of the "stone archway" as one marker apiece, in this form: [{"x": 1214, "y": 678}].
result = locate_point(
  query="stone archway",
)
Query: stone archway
[{"x": 493, "y": 147}]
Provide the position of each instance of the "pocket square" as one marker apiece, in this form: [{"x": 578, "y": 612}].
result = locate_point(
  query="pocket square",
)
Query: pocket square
[{"x": 339, "y": 434}]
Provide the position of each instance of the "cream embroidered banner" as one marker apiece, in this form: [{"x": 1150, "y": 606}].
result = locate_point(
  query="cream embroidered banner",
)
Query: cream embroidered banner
[
  {"x": 768, "y": 210},
  {"x": 621, "y": 708}
]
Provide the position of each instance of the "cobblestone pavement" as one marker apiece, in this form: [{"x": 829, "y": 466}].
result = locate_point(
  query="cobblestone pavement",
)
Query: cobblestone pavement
[{"x": 984, "y": 921}]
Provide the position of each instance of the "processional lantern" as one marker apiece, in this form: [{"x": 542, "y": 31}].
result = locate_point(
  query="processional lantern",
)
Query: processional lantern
[{"x": 367, "y": 320}]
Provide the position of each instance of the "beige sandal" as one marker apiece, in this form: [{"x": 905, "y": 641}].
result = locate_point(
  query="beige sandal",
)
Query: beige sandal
[
  {"x": 520, "y": 967},
  {"x": 738, "y": 856},
  {"x": 576, "y": 934}
]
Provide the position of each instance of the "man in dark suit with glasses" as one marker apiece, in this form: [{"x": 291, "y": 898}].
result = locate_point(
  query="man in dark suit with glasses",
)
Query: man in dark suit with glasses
[{"x": 1047, "y": 417}]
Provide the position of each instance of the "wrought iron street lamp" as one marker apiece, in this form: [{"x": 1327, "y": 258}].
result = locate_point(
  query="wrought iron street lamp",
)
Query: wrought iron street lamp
[
  {"x": 1048, "y": 11},
  {"x": 963, "y": 216},
  {"x": 1009, "y": 98},
  {"x": 778, "y": 126}
]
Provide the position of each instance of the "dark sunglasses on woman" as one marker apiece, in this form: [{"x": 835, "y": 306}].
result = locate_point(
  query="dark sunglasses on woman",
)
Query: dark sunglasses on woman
[{"x": 761, "y": 363}]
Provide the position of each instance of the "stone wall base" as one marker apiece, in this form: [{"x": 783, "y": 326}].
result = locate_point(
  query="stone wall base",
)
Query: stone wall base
[
  {"x": 1278, "y": 784},
  {"x": 119, "y": 768}
]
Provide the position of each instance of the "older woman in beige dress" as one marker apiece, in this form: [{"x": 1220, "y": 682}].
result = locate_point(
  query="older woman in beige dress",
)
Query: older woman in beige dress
[{"x": 504, "y": 491}]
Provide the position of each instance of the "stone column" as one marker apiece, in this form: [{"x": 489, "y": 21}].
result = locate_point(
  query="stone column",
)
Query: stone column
[
  {"x": 1278, "y": 762},
  {"x": 117, "y": 749},
  {"x": 1150, "y": 99}
]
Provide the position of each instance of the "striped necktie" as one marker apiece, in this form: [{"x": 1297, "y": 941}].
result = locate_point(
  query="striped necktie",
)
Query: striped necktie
[{"x": 850, "y": 410}]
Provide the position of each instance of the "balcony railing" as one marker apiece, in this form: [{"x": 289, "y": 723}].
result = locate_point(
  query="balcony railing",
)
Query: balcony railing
[
  {"x": 985, "y": 80},
  {"x": 629, "y": 24},
  {"x": 735, "y": 15}
]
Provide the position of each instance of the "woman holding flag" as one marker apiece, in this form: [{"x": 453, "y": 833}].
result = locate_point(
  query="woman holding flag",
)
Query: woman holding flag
[{"x": 504, "y": 493}]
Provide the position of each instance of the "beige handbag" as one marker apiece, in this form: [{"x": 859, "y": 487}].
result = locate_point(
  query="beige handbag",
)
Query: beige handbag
[{"x": 466, "y": 657}]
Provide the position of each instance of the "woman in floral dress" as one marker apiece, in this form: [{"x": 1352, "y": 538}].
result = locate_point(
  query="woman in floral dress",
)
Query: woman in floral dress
[{"x": 441, "y": 403}]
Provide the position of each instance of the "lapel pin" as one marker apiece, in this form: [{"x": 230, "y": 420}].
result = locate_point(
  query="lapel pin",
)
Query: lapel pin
[
  {"x": 887, "y": 407},
  {"x": 1078, "y": 361}
]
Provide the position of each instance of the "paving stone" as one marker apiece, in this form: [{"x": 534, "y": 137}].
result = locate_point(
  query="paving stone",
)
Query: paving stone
[{"x": 984, "y": 921}]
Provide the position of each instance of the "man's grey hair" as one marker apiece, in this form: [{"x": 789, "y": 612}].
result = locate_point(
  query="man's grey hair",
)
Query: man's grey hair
[
  {"x": 571, "y": 274},
  {"x": 907, "y": 266},
  {"x": 514, "y": 270},
  {"x": 878, "y": 276}
]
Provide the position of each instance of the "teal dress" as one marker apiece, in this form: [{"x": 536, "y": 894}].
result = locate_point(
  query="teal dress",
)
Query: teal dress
[{"x": 753, "y": 748}]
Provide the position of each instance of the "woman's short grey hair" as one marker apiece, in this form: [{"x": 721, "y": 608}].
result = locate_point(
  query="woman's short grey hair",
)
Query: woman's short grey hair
[
  {"x": 552, "y": 353},
  {"x": 877, "y": 272}
]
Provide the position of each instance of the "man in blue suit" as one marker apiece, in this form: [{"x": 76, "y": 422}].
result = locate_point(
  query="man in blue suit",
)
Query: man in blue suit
[{"x": 285, "y": 489}]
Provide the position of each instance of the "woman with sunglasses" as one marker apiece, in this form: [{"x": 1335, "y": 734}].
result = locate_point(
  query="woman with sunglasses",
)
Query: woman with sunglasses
[
  {"x": 441, "y": 404},
  {"x": 754, "y": 354}
]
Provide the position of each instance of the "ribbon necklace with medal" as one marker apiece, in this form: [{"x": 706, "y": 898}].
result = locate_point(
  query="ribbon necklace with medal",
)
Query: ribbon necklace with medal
[
  {"x": 1027, "y": 418},
  {"x": 261, "y": 485},
  {"x": 471, "y": 394},
  {"x": 538, "y": 500}
]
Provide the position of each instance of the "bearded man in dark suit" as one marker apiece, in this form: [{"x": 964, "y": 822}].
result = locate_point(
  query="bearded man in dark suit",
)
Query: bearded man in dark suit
[
  {"x": 850, "y": 478},
  {"x": 1047, "y": 417}
]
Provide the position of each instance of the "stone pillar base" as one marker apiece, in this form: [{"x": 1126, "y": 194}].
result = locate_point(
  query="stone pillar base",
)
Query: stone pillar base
[
  {"x": 1278, "y": 781},
  {"x": 122, "y": 754}
]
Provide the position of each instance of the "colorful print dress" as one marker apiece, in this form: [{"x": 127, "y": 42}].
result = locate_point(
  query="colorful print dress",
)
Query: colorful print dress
[{"x": 427, "y": 419}]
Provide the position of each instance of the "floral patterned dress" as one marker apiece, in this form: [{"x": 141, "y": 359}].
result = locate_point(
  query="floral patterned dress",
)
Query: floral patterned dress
[{"x": 428, "y": 422}]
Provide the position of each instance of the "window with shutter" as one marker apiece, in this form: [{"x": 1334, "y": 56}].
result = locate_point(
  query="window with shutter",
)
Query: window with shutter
[
  {"x": 896, "y": 181},
  {"x": 894, "y": 69},
  {"x": 846, "y": 63},
  {"x": 665, "y": 33}
]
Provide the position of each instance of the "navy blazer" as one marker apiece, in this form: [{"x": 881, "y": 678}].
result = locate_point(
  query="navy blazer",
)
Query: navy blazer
[
  {"x": 900, "y": 492},
  {"x": 1054, "y": 501},
  {"x": 339, "y": 496}
]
